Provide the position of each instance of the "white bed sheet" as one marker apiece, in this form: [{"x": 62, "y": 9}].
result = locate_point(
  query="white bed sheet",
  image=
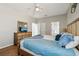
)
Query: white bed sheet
[{"x": 48, "y": 37}]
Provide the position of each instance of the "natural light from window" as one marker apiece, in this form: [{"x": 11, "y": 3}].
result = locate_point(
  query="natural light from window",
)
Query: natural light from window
[
  {"x": 55, "y": 28},
  {"x": 35, "y": 29}
]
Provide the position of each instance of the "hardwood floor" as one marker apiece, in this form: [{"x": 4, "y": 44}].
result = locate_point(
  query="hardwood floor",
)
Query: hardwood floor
[{"x": 9, "y": 51}]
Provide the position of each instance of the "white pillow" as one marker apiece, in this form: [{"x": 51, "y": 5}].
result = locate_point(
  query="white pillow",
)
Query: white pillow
[
  {"x": 74, "y": 43},
  {"x": 48, "y": 37}
]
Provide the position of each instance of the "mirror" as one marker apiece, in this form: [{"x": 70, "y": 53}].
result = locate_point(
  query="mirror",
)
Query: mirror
[{"x": 22, "y": 26}]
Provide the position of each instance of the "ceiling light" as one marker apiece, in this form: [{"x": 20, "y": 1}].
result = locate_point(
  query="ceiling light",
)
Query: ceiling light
[{"x": 37, "y": 9}]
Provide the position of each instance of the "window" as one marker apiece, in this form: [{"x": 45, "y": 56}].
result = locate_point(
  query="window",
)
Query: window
[
  {"x": 35, "y": 29},
  {"x": 55, "y": 28}
]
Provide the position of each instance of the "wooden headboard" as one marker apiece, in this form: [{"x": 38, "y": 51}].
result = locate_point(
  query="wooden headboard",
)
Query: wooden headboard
[{"x": 73, "y": 27}]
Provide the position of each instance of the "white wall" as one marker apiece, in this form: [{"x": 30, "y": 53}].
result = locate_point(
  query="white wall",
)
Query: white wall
[
  {"x": 72, "y": 16},
  {"x": 8, "y": 25},
  {"x": 47, "y": 21}
]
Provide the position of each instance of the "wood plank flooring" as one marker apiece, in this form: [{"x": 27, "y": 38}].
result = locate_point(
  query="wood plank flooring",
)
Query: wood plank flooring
[{"x": 9, "y": 51}]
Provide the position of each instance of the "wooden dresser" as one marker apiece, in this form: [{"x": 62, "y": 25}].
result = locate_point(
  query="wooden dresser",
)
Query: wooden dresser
[{"x": 20, "y": 35}]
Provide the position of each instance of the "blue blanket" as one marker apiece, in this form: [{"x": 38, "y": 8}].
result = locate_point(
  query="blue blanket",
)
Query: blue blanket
[{"x": 46, "y": 48}]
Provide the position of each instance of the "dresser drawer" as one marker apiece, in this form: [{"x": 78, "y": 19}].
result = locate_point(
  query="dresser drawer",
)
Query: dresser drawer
[{"x": 20, "y": 35}]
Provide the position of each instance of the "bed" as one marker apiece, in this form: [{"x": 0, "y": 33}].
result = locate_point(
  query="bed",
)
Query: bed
[
  {"x": 39, "y": 46},
  {"x": 45, "y": 48}
]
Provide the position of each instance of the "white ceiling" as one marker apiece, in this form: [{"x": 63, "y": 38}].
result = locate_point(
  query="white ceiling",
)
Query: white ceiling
[{"x": 46, "y": 9}]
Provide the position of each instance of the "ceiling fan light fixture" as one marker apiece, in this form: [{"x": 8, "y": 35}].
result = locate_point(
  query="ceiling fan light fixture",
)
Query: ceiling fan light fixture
[{"x": 37, "y": 9}]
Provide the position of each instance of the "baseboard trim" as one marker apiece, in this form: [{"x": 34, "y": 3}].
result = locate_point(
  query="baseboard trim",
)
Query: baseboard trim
[{"x": 5, "y": 46}]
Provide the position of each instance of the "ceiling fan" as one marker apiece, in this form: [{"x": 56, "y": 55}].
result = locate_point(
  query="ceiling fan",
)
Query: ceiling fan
[{"x": 38, "y": 9}]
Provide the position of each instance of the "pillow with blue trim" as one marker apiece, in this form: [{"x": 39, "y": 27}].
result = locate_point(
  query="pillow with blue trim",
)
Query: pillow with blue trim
[{"x": 65, "y": 39}]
